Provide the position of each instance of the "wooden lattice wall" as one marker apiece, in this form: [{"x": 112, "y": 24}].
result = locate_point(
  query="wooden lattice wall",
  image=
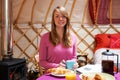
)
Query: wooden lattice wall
[{"x": 26, "y": 40}]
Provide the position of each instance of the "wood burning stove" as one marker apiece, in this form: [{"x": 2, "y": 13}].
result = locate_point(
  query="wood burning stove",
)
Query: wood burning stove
[{"x": 13, "y": 69}]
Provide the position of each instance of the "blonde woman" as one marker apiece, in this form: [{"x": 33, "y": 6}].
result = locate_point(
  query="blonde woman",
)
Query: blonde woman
[{"x": 59, "y": 44}]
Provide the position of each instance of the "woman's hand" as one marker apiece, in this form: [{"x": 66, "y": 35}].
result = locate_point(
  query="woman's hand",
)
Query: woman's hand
[
  {"x": 75, "y": 66},
  {"x": 62, "y": 64}
]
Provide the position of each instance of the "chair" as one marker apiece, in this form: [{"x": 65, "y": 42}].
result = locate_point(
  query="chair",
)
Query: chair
[{"x": 40, "y": 68}]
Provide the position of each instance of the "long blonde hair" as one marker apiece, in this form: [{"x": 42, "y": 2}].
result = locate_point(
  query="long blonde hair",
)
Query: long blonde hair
[{"x": 66, "y": 40}]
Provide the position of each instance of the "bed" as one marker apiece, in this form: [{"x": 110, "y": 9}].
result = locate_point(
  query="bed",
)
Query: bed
[{"x": 105, "y": 42}]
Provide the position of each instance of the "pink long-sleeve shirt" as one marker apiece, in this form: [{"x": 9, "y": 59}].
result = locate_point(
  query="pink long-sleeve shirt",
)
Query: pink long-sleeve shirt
[{"x": 50, "y": 56}]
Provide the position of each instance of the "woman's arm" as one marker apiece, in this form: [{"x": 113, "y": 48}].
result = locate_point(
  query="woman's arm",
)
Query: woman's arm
[
  {"x": 75, "y": 51},
  {"x": 74, "y": 46},
  {"x": 43, "y": 53}
]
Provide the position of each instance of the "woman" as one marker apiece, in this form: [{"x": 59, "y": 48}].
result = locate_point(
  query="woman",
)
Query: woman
[{"x": 58, "y": 45}]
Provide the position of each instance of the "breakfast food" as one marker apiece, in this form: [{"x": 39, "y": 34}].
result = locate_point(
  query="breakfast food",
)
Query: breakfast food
[
  {"x": 84, "y": 77},
  {"x": 96, "y": 77},
  {"x": 58, "y": 70}
]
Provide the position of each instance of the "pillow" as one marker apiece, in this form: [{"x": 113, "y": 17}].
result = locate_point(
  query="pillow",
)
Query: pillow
[
  {"x": 115, "y": 41},
  {"x": 102, "y": 41}
]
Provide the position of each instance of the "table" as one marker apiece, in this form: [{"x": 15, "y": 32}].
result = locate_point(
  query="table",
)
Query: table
[
  {"x": 93, "y": 68},
  {"x": 117, "y": 76},
  {"x": 50, "y": 77}
]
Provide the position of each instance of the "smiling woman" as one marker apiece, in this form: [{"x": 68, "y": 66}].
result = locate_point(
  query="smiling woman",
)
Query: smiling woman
[{"x": 59, "y": 44}]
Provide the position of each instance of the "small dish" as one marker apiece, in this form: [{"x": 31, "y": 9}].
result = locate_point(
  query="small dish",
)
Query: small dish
[{"x": 57, "y": 75}]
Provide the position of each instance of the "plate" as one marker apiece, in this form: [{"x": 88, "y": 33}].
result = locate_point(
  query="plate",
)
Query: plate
[
  {"x": 104, "y": 75},
  {"x": 57, "y": 75}
]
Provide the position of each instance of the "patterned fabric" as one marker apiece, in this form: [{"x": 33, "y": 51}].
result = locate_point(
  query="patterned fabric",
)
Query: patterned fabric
[{"x": 115, "y": 41}]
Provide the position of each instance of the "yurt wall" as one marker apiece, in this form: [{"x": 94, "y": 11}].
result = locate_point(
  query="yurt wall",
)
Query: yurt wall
[{"x": 32, "y": 18}]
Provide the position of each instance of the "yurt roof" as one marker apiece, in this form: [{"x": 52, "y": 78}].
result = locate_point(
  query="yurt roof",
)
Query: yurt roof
[{"x": 40, "y": 11}]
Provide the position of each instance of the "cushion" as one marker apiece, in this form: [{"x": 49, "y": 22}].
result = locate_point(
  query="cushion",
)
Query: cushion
[
  {"x": 115, "y": 41},
  {"x": 102, "y": 41}
]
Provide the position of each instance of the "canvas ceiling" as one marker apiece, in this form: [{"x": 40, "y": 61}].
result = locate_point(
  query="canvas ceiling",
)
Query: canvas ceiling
[{"x": 41, "y": 10}]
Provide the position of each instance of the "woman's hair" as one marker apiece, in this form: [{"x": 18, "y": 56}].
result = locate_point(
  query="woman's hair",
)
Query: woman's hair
[{"x": 66, "y": 40}]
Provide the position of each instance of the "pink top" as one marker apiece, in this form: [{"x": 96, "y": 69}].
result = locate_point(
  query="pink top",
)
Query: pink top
[{"x": 51, "y": 56}]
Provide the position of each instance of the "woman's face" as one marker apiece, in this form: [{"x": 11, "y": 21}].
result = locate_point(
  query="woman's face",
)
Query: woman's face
[{"x": 59, "y": 19}]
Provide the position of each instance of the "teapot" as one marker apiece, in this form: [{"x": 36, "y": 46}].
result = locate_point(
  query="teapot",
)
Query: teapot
[{"x": 108, "y": 65}]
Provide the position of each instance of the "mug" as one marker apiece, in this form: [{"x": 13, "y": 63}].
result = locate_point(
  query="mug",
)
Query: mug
[{"x": 70, "y": 64}]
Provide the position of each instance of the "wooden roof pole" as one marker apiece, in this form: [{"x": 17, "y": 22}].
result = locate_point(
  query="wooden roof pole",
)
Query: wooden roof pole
[
  {"x": 65, "y": 2},
  {"x": 74, "y": 1},
  {"x": 110, "y": 12},
  {"x": 84, "y": 13},
  {"x": 19, "y": 12},
  {"x": 110, "y": 15},
  {"x": 96, "y": 10}
]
